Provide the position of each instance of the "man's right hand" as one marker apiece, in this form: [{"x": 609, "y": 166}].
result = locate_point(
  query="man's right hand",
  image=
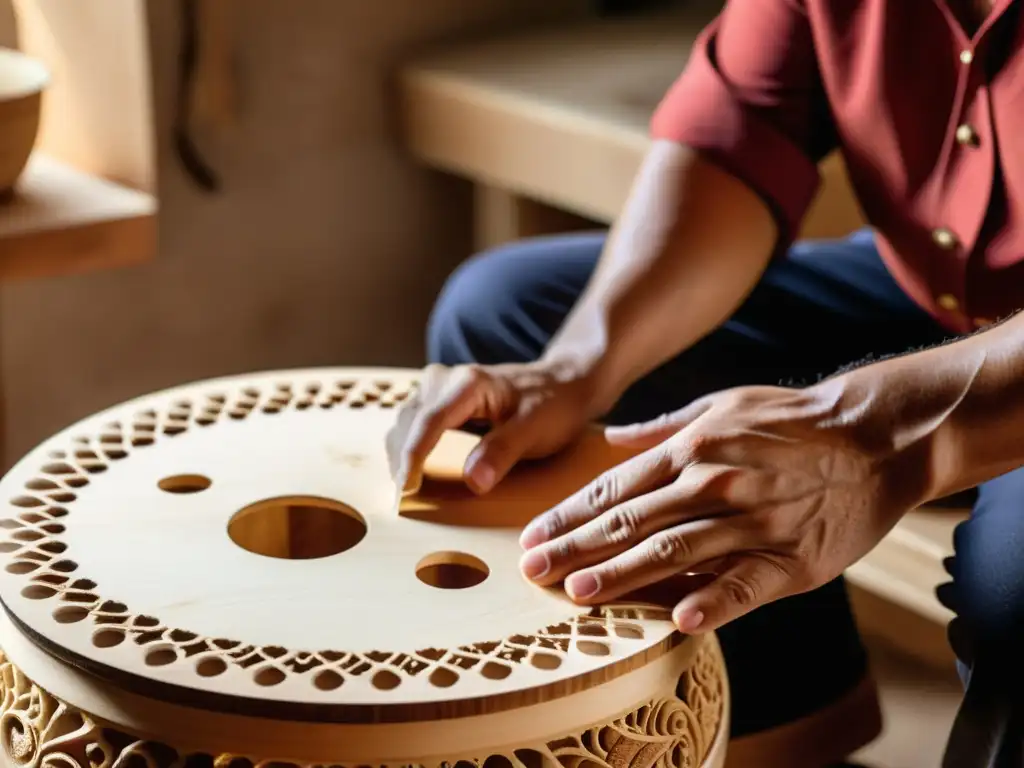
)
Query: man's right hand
[
  {"x": 533, "y": 411},
  {"x": 689, "y": 246}
]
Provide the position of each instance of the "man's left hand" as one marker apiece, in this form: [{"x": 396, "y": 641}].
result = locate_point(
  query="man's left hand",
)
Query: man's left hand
[{"x": 767, "y": 488}]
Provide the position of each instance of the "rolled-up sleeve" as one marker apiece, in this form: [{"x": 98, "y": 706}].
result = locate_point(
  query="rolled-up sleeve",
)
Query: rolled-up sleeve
[{"x": 751, "y": 101}]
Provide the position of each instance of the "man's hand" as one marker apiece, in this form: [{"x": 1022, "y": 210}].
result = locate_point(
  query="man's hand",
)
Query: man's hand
[
  {"x": 533, "y": 410},
  {"x": 770, "y": 489}
]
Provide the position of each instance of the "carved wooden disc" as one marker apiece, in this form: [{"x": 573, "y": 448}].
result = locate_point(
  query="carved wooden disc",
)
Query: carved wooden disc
[{"x": 233, "y": 544}]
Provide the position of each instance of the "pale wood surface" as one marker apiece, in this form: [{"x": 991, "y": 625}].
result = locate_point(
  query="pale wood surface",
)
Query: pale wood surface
[
  {"x": 142, "y": 501},
  {"x": 63, "y": 220}
]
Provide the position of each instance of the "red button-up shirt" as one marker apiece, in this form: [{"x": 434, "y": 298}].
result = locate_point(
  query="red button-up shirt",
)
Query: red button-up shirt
[{"x": 928, "y": 116}]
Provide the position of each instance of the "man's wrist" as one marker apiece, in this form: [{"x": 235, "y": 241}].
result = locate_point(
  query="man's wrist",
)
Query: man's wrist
[
  {"x": 585, "y": 353},
  {"x": 588, "y": 372},
  {"x": 903, "y": 413}
]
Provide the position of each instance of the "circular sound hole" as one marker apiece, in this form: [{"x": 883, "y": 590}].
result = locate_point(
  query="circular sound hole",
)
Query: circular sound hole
[
  {"x": 184, "y": 483},
  {"x": 297, "y": 528},
  {"x": 452, "y": 570}
]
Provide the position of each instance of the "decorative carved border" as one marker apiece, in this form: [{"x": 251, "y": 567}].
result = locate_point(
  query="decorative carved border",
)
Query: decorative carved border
[
  {"x": 38, "y": 730},
  {"x": 32, "y": 545}
]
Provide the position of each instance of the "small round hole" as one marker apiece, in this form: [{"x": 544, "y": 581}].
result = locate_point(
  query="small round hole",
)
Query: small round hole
[
  {"x": 184, "y": 483},
  {"x": 386, "y": 680},
  {"x": 452, "y": 570},
  {"x": 21, "y": 567},
  {"x": 442, "y": 677},
  {"x": 71, "y": 614},
  {"x": 546, "y": 661},
  {"x": 108, "y": 638},
  {"x": 38, "y": 592},
  {"x": 269, "y": 676},
  {"x": 52, "y": 579},
  {"x": 211, "y": 666},
  {"x": 629, "y": 631},
  {"x": 297, "y": 528},
  {"x": 493, "y": 671},
  {"x": 328, "y": 680},
  {"x": 161, "y": 657},
  {"x": 592, "y": 648},
  {"x": 27, "y": 501}
]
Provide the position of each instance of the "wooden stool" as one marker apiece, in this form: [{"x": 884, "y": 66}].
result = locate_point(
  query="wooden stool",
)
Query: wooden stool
[{"x": 217, "y": 575}]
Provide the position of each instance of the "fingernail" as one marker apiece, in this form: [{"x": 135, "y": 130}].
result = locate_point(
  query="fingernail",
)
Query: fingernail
[
  {"x": 689, "y": 621},
  {"x": 580, "y": 586},
  {"x": 532, "y": 535},
  {"x": 535, "y": 564},
  {"x": 482, "y": 475}
]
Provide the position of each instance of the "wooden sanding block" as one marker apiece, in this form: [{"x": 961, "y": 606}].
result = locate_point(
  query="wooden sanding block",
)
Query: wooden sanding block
[
  {"x": 446, "y": 463},
  {"x": 441, "y": 493}
]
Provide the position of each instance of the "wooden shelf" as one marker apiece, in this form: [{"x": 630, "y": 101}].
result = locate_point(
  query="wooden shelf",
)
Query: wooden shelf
[
  {"x": 64, "y": 221},
  {"x": 561, "y": 116}
]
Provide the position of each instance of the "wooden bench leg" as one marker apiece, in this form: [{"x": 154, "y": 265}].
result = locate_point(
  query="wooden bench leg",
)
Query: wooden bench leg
[{"x": 501, "y": 216}]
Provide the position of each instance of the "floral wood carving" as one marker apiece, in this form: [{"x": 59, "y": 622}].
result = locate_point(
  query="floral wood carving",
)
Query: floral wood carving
[{"x": 37, "y": 730}]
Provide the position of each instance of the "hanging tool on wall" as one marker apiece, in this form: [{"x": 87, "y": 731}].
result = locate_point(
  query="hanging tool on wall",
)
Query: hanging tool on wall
[{"x": 206, "y": 93}]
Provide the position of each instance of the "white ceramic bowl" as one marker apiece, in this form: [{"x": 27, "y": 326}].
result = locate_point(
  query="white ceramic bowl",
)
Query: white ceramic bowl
[{"x": 22, "y": 82}]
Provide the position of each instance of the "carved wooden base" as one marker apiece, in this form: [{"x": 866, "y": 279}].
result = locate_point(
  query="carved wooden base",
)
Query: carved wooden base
[{"x": 38, "y": 730}]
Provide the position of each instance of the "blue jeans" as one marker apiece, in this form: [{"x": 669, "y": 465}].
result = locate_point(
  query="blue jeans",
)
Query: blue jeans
[{"x": 823, "y": 306}]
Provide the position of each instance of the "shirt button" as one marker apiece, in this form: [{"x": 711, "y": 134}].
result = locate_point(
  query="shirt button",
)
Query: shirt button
[
  {"x": 943, "y": 238},
  {"x": 967, "y": 136},
  {"x": 948, "y": 302},
  {"x": 966, "y": 56}
]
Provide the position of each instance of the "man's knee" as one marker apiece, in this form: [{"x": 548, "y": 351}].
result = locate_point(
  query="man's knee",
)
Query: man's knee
[
  {"x": 470, "y": 318},
  {"x": 505, "y": 304}
]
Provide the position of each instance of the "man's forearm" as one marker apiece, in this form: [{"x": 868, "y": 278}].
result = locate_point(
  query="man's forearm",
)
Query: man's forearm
[
  {"x": 690, "y": 245},
  {"x": 954, "y": 413}
]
